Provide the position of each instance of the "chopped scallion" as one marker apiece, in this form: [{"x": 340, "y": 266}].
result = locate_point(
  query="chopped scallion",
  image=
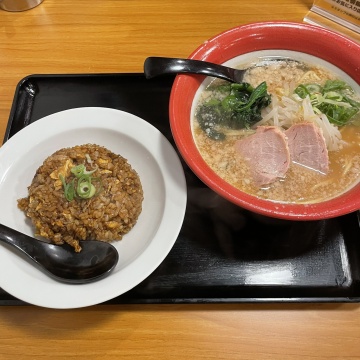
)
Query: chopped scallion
[{"x": 81, "y": 186}]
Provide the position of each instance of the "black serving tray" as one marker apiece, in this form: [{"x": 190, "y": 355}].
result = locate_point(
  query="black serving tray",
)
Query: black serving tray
[{"x": 223, "y": 253}]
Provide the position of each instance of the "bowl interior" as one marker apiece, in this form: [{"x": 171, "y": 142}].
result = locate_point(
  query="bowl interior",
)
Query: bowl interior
[{"x": 270, "y": 36}]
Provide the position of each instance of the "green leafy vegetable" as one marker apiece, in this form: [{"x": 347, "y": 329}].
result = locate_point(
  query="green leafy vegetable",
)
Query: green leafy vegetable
[
  {"x": 82, "y": 186},
  {"x": 240, "y": 107},
  {"x": 334, "y": 99}
]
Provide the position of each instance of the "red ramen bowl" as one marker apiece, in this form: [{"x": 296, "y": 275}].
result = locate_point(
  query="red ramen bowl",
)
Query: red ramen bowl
[{"x": 312, "y": 41}]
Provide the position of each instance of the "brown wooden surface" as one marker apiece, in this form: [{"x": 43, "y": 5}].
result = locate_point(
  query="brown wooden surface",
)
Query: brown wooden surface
[{"x": 78, "y": 36}]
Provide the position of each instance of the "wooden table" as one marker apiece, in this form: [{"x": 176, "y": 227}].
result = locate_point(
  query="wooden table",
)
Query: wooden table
[{"x": 77, "y": 36}]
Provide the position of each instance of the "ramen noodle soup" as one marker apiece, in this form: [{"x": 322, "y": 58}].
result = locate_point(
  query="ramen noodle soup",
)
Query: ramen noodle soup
[{"x": 296, "y": 110}]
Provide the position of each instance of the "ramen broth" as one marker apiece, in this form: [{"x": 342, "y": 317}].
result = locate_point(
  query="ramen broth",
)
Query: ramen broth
[{"x": 300, "y": 184}]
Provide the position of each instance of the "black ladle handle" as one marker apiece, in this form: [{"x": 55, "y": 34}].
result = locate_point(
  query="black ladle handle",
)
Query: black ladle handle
[
  {"x": 154, "y": 66},
  {"x": 22, "y": 242}
]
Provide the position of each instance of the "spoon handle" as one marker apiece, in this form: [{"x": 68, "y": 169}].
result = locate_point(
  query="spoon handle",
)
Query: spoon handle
[
  {"x": 20, "y": 241},
  {"x": 154, "y": 66}
]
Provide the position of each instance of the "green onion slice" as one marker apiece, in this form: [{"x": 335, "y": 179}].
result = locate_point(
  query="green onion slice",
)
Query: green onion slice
[{"x": 81, "y": 186}]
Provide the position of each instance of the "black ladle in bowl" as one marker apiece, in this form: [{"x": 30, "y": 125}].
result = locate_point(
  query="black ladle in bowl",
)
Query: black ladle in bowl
[
  {"x": 95, "y": 261},
  {"x": 154, "y": 66}
]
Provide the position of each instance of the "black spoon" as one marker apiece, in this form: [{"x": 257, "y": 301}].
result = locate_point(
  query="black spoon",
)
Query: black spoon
[
  {"x": 95, "y": 261},
  {"x": 154, "y": 66}
]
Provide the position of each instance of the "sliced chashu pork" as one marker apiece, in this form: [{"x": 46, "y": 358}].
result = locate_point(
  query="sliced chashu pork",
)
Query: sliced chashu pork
[
  {"x": 307, "y": 146},
  {"x": 267, "y": 154}
]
